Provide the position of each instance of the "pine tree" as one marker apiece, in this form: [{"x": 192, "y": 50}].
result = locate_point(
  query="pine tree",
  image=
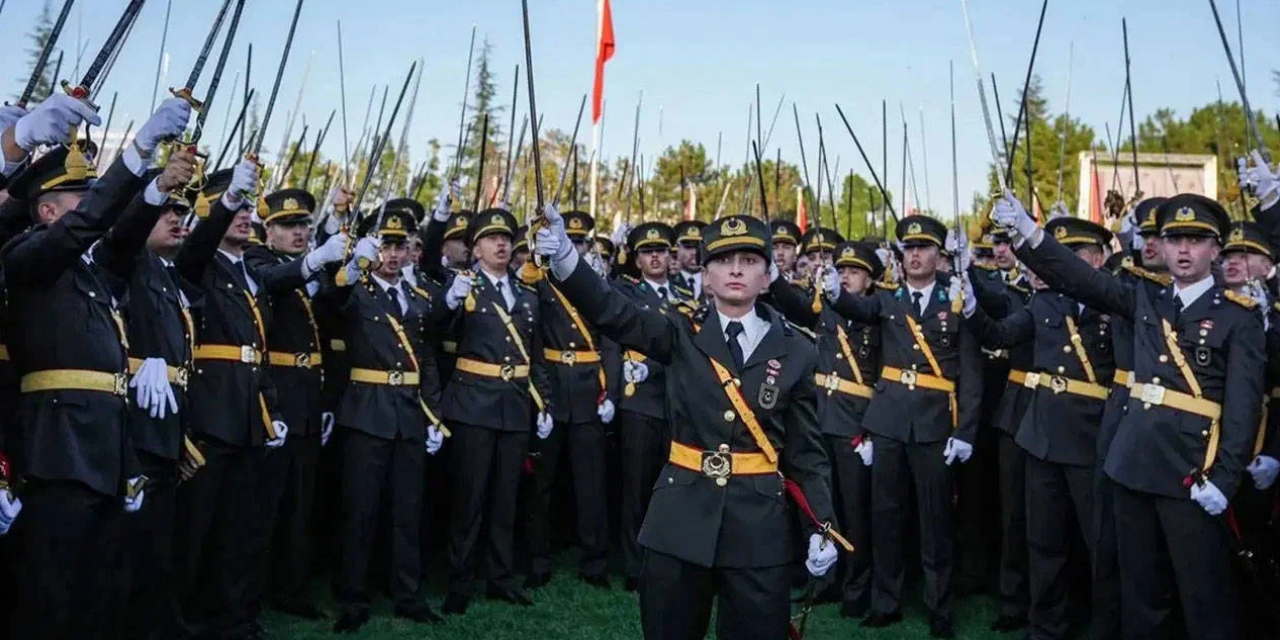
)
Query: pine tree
[
  {"x": 483, "y": 103},
  {"x": 39, "y": 36}
]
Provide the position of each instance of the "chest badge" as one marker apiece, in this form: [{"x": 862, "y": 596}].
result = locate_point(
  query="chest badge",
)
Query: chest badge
[
  {"x": 1202, "y": 356},
  {"x": 768, "y": 397}
]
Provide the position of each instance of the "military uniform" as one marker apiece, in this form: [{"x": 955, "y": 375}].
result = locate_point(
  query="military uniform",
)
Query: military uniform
[
  {"x": 1191, "y": 417},
  {"x": 573, "y": 356},
  {"x": 1071, "y": 379},
  {"x": 929, "y": 391},
  {"x": 295, "y": 359},
  {"x": 689, "y": 234},
  {"x": 848, "y": 368},
  {"x": 489, "y": 402},
  {"x": 233, "y": 412},
  {"x": 718, "y": 525},
  {"x": 67, "y": 341}
]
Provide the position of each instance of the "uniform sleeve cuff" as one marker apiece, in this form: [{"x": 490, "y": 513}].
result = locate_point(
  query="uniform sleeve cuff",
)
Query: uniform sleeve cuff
[
  {"x": 564, "y": 267},
  {"x": 134, "y": 161},
  {"x": 152, "y": 195}
]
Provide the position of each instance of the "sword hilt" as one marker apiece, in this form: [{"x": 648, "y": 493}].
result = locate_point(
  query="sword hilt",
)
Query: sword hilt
[
  {"x": 185, "y": 94},
  {"x": 79, "y": 92}
]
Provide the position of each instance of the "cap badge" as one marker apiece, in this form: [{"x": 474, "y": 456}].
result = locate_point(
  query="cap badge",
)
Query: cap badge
[
  {"x": 497, "y": 219},
  {"x": 1237, "y": 235},
  {"x": 394, "y": 222},
  {"x": 653, "y": 234},
  {"x": 733, "y": 227},
  {"x": 848, "y": 253},
  {"x": 575, "y": 223},
  {"x": 289, "y": 203},
  {"x": 1185, "y": 214},
  {"x": 1060, "y": 232},
  {"x": 914, "y": 228}
]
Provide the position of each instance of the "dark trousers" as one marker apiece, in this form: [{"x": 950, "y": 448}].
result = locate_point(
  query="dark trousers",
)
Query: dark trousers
[
  {"x": 151, "y": 609},
  {"x": 851, "y": 491},
  {"x": 67, "y": 538},
  {"x": 646, "y": 443},
  {"x": 1171, "y": 550},
  {"x": 1054, "y": 493},
  {"x": 586, "y": 452},
  {"x": 283, "y": 540},
  {"x": 895, "y": 466},
  {"x": 484, "y": 470},
  {"x": 676, "y": 598},
  {"x": 1105, "y": 623},
  {"x": 215, "y": 534},
  {"x": 1013, "y": 524},
  {"x": 378, "y": 472}
]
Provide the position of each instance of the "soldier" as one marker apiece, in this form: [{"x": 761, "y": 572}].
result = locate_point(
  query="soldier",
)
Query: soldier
[
  {"x": 743, "y": 409},
  {"x": 389, "y": 417},
  {"x": 499, "y": 377},
  {"x": 1180, "y": 449},
  {"x": 68, "y": 342},
  {"x": 233, "y": 409},
  {"x": 572, "y": 352},
  {"x": 1246, "y": 257},
  {"x": 291, "y": 277},
  {"x": 688, "y": 267},
  {"x": 1071, "y": 377},
  {"x": 922, "y": 418},
  {"x": 848, "y": 367},
  {"x": 818, "y": 243},
  {"x": 786, "y": 237},
  {"x": 520, "y": 252},
  {"x": 643, "y": 410}
]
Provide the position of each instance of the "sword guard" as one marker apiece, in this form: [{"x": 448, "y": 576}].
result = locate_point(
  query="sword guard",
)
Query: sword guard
[
  {"x": 79, "y": 92},
  {"x": 185, "y": 94}
]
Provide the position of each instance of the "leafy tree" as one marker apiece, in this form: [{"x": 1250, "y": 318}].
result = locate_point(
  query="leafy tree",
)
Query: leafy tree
[{"x": 39, "y": 36}]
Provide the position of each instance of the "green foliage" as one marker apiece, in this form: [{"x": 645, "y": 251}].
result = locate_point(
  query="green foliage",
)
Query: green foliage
[{"x": 39, "y": 35}]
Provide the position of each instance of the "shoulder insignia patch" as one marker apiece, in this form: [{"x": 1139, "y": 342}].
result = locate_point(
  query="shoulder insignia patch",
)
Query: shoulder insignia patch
[
  {"x": 887, "y": 286},
  {"x": 813, "y": 337},
  {"x": 630, "y": 278},
  {"x": 1240, "y": 299}
]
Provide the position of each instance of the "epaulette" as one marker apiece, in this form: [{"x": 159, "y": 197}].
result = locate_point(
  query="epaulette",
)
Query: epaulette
[
  {"x": 1019, "y": 288},
  {"x": 1274, "y": 305},
  {"x": 526, "y": 285},
  {"x": 1162, "y": 279},
  {"x": 630, "y": 278},
  {"x": 813, "y": 337},
  {"x": 887, "y": 286},
  {"x": 1240, "y": 299},
  {"x": 420, "y": 291},
  {"x": 688, "y": 293}
]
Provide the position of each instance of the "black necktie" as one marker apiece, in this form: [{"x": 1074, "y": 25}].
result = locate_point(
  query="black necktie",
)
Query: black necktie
[
  {"x": 915, "y": 302},
  {"x": 394, "y": 294},
  {"x": 1177, "y": 308},
  {"x": 662, "y": 293},
  {"x": 733, "y": 330}
]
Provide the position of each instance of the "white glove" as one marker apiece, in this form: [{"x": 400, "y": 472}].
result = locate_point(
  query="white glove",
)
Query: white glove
[
  {"x": 822, "y": 554},
  {"x": 619, "y": 236},
  {"x": 962, "y": 288},
  {"x": 10, "y": 115},
  {"x": 1209, "y": 497},
  {"x": 136, "y": 487},
  {"x": 544, "y": 425},
  {"x": 282, "y": 433},
  {"x": 867, "y": 450},
  {"x": 596, "y": 262},
  {"x": 154, "y": 391},
  {"x": 605, "y": 410},
  {"x": 1265, "y": 184},
  {"x": 244, "y": 179},
  {"x": 1059, "y": 210},
  {"x": 831, "y": 281},
  {"x": 367, "y": 248},
  {"x": 444, "y": 203},
  {"x": 10, "y": 507},
  {"x": 458, "y": 291},
  {"x": 552, "y": 240},
  {"x": 1138, "y": 242},
  {"x": 333, "y": 250},
  {"x": 1242, "y": 174},
  {"x": 326, "y": 426},
  {"x": 167, "y": 123},
  {"x": 1264, "y": 470},
  {"x": 635, "y": 372},
  {"x": 435, "y": 440},
  {"x": 957, "y": 449},
  {"x": 961, "y": 252},
  {"x": 773, "y": 271},
  {"x": 52, "y": 121},
  {"x": 1010, "y": 213}
]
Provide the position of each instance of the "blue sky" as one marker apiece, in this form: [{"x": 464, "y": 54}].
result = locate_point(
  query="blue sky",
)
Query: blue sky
[{"x": 700, "y": 61}]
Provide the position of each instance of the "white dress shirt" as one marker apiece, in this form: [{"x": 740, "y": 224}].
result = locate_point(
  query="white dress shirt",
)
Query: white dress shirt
[
  {"x": 399, "y": 297},
  {"x": 754, "y": 329},
  {"x": 237, "y": 262},
  {"x": 665, "y": 286},
  {"x": 695, "y": 282},
  {"x": 1191, "y": 293},
  {"x": 924, "y": 297},
  {"x": 503, "y": 285}
]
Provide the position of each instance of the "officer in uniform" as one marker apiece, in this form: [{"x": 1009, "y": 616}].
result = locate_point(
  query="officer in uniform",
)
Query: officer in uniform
[
  {"x": 817, "y": 245},
  {"x": 389, "y": 417},
  {"x": 922, "y": 418},
  {"x": 68, "y": 341},
  {"x": 687, "y": 264},
  {"x": 642, "y": 410},
  {"x": 1179, "y": 451},
  {"x": 572, "y": 353},
  {"x": 1071, "y": 378},
  {"x": 520, "y": 251},
  {"x": 743, "y": 409},
  {"x": 500, "y": 376},
  {"x": 292, "y": 277},
  {"x": 848, "y": 367},
  {"x": 786, "y": 241},
  {"x": 233, "y": 409}
]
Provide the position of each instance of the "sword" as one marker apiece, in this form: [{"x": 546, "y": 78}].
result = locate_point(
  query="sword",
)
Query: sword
[
  {"x": 573, "y": 144},
  {"x": 293, "y": 157},
  {"x": 484, "y": 147},
  {"x": 106, "y": 54},
  {"x": 530, "y": 271},
  {"x": 231, "y": 137},
  {"x": 462, "y": 117},
  {"x": 1133, "y": 124},
  {"x": 377, "y": 150},
  {"x": 37, "y": 73},
  {"x": 1250, "y": 117},
  {"x": 883, "y": 194},
  {"x": 315, "y": 151},
  {"x": 982, "y": 96},
  {"x": 185, "y": 91},
  {"x": 506, "y": 184},
  {"x": 256, "y": 148}
]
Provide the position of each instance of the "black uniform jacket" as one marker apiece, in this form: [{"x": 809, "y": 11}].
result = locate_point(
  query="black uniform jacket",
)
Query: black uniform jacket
[
  {"x": 1157, "y": 447},
  {"x": 999, "y": 300},
  {"x": 294, "y": 332},
  {"x": 747, "y": 522},
  {"x": 649, "y": 398},
  {"x": 920, "y": 415}
]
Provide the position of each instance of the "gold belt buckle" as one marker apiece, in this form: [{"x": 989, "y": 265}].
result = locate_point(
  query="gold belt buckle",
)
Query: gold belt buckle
[
  {"x": 121, "y": 383},
  {"x": 1057, "y": 384},
  {"x": 833, "y": 382},
  {"x": 1152, "y": 394},
  {"x": 302, "y": 360},
  {"x": 1032, "y": 380},
  {"x": 248, "y": 354},
  {"x": 182, "y": 377},
  {"x": 908, "y": 378},
  {"x": 718, "y": 465},
  {"x": 507, "y": 372},
  {"x": 569, "y": 357},
  {"x": 395, "y": 378}
]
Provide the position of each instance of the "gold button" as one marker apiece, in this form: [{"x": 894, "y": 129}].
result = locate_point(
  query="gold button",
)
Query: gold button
[
  {"x": 1155, "y": 381},
  {"x": 720, "y": 482},
  {"x": 1066, "y": 349},
  {"x": 729, "y": 416},
  {"x": 1164, "y": 358}
]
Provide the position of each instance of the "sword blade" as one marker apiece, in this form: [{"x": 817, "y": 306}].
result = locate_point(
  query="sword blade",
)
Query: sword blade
[
  {"x": 112, "y": 43},
  {"x": 208, "y": 46},
  {"x": 275, "y": 90},
  {"x": 982, "y": 96},
  {"x": 216, "y": 79},
  {"x": 38, "y": 71}
]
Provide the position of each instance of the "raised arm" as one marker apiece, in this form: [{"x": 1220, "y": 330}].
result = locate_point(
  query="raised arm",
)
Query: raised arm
[
  {"x": 1010, "y": 331},
  {"x": 618, "y": 317},
  {"x": 1059, "y": 267},
  {"x": 794, "y": 304},
  {"x": 119, "y": 250}
]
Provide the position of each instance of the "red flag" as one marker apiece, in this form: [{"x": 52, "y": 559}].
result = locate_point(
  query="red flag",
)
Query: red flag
[
  {"x": 802, "y": 215},
  {"x": 604, "y": 51}
]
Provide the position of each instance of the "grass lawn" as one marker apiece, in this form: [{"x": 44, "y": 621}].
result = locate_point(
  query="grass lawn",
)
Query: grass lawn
[{"x": 568, "y": 609}]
